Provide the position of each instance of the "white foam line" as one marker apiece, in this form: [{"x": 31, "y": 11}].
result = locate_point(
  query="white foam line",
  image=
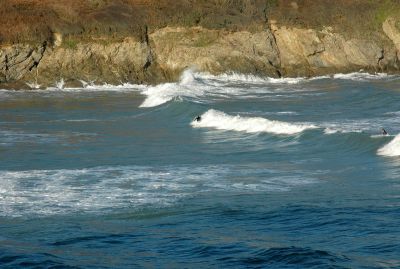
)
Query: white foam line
[
  {"x": 221, "y": 121},
  {"x": 247, "y": 78},
  {"x": 361, "y": 76},
  {"x": 199, "y": 84}
]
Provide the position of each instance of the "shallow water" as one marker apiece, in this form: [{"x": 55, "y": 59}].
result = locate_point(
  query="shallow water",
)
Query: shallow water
[{"x": 279, "y": 173}]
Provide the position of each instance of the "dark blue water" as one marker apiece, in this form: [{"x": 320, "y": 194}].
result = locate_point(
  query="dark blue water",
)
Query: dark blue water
[{"x": 289, "y": 173}]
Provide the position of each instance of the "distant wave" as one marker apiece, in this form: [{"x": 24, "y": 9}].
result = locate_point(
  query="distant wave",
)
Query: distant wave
[
  {"x": 221, "y": 121},
  {"x": 391, "y": 149},
  {"x": 361, "y": 76},
  {"x": 87, "y": 87},
  {"x": 237, "y": 77}
]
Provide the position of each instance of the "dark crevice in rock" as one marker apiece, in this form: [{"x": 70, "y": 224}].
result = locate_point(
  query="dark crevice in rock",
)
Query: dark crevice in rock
[
  {"x": 37, "y": 62},
  {"x": 277, "y": 71},
  {"x": 6, "y": 63},
  {"x": 27, "y": 56},
  {"x": 316, "y": 52},
  {"x": 146, "y": 34},
  {"x": 147, "y": 64},
  {"x": 274, "y": 45},
  {"x": 381, "y": 58}
]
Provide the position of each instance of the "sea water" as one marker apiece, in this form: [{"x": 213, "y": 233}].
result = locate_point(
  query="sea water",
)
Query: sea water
[{"x": 278, "y": 173}]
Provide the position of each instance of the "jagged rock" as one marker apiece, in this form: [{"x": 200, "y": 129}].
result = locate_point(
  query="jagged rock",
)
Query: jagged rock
[
  {"x": 16, "y": 61},
  {"x": 363, "y": 53},
  {"x": 306, "y": 52},
  {"x": 114, "y": 63},
  {"x": 215, "y": 51},
  {"x": 390, "y": 29},
  {"x": 295, "y": 47}
]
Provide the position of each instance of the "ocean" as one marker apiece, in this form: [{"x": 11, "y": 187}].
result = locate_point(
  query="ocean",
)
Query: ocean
[{"x": 278, "y": 173}]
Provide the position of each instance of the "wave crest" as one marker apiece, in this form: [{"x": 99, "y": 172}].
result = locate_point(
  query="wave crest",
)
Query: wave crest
[
  {"x": 162, "y": 93},
  {"x": 221, "y": 121},
  {"x": 391, "y": 149}
]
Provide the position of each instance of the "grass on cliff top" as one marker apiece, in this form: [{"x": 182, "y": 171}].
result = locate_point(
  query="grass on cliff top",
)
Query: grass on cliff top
[
  {"x": 387, "y": 8},
  {"x": 70, "y": 43},
  {"x": 352, "y": 18},
  {"x": 23, "y": 21}
]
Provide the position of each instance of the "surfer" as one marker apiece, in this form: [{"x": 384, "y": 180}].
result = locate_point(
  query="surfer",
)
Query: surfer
[
  {"x": 198, "y": 118},
  {"x": 384, "y": 132}
]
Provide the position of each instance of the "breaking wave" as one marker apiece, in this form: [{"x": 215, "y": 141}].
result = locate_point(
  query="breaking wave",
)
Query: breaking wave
[
  {"x": 391, "y": 149},
  {"x": 221, "y": 121},
  {"x": 196, "y": 85},
  {"x": 162, "y": 93}
]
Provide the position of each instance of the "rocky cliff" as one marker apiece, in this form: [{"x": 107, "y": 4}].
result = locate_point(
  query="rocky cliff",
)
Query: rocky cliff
[{"x": 149, "y": 41}]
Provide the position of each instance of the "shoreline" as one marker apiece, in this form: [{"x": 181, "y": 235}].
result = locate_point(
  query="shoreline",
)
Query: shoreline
[{"x": 79, "y": 85}]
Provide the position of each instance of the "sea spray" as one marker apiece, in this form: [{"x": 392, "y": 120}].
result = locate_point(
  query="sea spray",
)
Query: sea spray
[
  {"x": 162, "y": 93},
  {"x": 60, "y": 84},
  {"x": 221, "y": 121},
  {"x": 33, "y": 85}
]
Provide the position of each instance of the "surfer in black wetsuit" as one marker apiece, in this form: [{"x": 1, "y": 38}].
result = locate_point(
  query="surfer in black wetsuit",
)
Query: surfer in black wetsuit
[
  {"x": 198, "y": 118},
  {"x": 384, "y": 132}
]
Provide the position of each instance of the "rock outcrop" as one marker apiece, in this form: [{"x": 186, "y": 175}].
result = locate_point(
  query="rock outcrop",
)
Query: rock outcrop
[
  {"x": 17, "y": 61},
  {"x": 215, "y": 51},
  {"x": 119, "y": 62},
  {"x": 390, "y": 29},
  {"x": 150, "y": 42},
  {"x": 307, "y": 52}
]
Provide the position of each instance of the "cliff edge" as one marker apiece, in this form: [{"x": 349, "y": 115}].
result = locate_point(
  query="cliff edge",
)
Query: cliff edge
[{"x": 147, "y": 41}]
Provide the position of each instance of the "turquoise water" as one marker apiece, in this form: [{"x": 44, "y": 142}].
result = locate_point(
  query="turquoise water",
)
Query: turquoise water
[{"x": 279, "y": 173}]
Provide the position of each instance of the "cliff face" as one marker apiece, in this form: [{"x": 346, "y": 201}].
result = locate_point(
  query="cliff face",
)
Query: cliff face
[{"x": 153, "y": 41}]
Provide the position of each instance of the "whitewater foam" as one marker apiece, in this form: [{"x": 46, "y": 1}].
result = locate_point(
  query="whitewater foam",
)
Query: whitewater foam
[
  {"x": 391, "y": 149},
  {"x": 195, "y": 85},
  {"x": 221, "y": 121},
  {"x": 354, "y": 126},
  {"x": 162, "y": 93},
  {"x": 126, "y": 87},
  {"x": 360, "y": 76},
  {"x": 33, "y": 85},
  {"x": 103, "y": 189},
  {"x": 248, "y": 78}
]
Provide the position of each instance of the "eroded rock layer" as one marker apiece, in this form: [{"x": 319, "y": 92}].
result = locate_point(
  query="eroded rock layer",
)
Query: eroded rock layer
[{"x": 152, "y": 41}]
